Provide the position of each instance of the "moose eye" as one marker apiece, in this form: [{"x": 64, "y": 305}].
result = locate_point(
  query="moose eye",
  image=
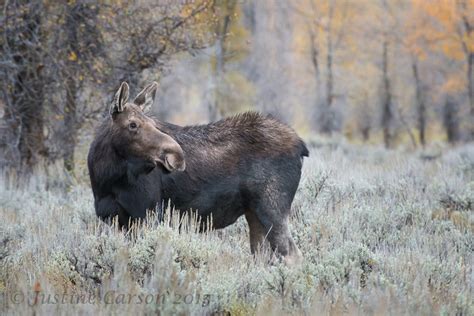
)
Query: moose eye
[{"x": 132, "y": 126}]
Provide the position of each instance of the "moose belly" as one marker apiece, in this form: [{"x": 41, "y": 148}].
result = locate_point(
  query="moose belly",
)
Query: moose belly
[{"x": 219, "y": 199}]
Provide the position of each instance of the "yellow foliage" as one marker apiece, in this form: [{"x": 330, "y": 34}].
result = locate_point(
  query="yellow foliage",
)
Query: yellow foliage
[
  {"x": 442, "y": 23},
  {"x": 454, "y": 83},
  {"x": 72, "y": 56},
  {"x": 451, "y": 49}
]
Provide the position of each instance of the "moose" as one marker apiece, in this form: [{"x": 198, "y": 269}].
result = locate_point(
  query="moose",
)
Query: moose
[{"x": 248, "y": 164}]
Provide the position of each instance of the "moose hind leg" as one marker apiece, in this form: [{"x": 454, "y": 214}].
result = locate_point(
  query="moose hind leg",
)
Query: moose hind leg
[
  {"x": 256, "y": 231},
  {"x": 279, "y": 236}
]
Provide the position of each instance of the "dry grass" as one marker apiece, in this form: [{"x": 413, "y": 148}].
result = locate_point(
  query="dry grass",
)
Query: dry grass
[{"x": 381, "y": 232}]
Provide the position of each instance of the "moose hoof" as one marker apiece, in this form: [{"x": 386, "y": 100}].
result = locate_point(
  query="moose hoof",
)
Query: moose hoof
[{"x": 293, "y": 259}]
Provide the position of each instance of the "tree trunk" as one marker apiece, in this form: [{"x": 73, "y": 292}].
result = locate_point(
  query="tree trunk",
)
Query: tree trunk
[
  {"x": 26, "y": 84},
  {"x": 70, "y": 123},
  {"x": 470, "y": 82},
  {"x": 365, "y": 118},
  {"x": 467, "y": 48},
  {"x": 420, "y": 104},
  {"x": 387, "y": 114},
  {"x": 317, "y": 73},
  {"x": 328, "y": 119},
  {"x": 329, "y": 78},
  {"x": 451, "y": 119},
  {"x": 73, "y": 14},
  {"x": 215, "y": 109}
]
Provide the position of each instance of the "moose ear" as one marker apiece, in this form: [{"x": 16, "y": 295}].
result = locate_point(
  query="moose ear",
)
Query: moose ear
[
  {"x": 121, "y": 96},
  {"x": 146, "y": 97}
]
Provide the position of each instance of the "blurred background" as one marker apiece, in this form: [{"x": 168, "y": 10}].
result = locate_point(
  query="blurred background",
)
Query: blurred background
[{"x": 389, "y": 72}]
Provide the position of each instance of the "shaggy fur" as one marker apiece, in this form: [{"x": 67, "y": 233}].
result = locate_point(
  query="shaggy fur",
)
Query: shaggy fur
[
  {"x": 247, "y": 164},
  {"x": 123, "y": 156}
]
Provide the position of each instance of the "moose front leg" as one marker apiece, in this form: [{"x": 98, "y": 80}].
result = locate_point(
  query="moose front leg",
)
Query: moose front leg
[
  {"x": 108, "y": 207},
  {"x": 138, "y": 197}
]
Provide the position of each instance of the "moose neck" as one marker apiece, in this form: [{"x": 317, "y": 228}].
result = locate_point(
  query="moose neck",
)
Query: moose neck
[{"x": 109, "y": 165}]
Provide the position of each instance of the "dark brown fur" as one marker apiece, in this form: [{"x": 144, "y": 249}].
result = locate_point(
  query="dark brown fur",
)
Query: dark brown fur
[
  {"x": 120, "y": 185},
  {"x": 247, "y": 164}
]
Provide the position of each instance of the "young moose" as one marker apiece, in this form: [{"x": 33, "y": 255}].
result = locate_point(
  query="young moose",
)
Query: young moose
[{"x": 248, "y": 165}]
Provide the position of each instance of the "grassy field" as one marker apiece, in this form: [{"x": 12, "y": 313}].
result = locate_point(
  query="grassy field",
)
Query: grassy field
[{"x": 381, "y": 232}]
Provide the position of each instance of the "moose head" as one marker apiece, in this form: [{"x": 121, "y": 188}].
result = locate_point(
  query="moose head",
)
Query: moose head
[{"x": 136, "y": 136}]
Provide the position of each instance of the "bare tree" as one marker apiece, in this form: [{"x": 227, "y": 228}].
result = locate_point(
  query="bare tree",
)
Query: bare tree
[
  {"x": 451, "y": 118},
  {"x": 420, "y": 102},
  {"x": 364, "y": 116},
  {"x": 226, "y": 9},
  {"x": 145, "y": 35},
  {"x": 330, "y": 41},
  {"x": 466, "y": 34},
  {"x": 387, "y": 114},
  {"x": 22, "y": 83},
  {"x": 52, "y": 52},
  {"x": 77, "y": 47}
]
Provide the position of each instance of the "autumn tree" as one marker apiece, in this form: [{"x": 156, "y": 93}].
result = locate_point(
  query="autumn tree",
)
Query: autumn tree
[
  {"x": 77, "y": 51},
  {"x": 450, "y": 32},
  {"x": 380, "y": 31},
  {"x": 226, "y": 11},
  {"x": 53, "y": 52},
  {"x": 389, "y": 35},
  {"x": 144, "y": 35},
  {"x": 328, "y": 25},
  {"x": 416, "y": 45}
]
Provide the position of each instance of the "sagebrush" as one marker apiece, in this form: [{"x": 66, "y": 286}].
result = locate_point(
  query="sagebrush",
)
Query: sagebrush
[{"x": 381, "y": 232}]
